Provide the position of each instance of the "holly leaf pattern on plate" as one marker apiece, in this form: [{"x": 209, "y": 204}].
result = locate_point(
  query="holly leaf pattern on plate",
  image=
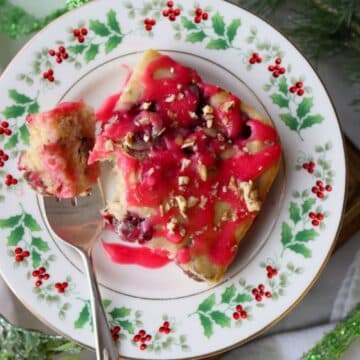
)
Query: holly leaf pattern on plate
[{"x": 207, "y": 325}]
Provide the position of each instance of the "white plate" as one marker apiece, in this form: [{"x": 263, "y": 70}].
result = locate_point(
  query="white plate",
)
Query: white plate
[{"x": 201, "y": 317}]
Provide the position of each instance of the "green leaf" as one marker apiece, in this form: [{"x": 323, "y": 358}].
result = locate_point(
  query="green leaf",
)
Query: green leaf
[
  {"x": 286, "y": 234},
  {"x": 220, "y": 319},
  {"x": 40, "y": 244},
  {"x": 218, "y": 24},
  {"x": 19, "y": 98},
  {"x": 15, "y": 236},
  {"x": 120, "y": 312},
  {"x": 106, "y": 303},
  {"x": 12, "y": 142},
  {"x": 307, "y": 205},
  {"x": 207, "y": 304},
  {"x": 207, "y": 325},
  {"x": 197, "y": 36},
  {"x": 283, "y": 87},
  {"x": 35, "y": 258},
  {"x": 228, "y": 294},
  {"x": 31, "y": 223},
  {"x": 232, "y": 29},
  {"x": 24, "y": 134},
  {"x": 280, "y": 100},
  {"x": 294, "y": 212},
  {"x": 112, "y": 43},
  {"x": 289, "y": 121},
  {"x": 306, "y": 235},
  {"x": 77, "y": 49},
  {"x": 9, "y": 222},
  {"x": 241, "y": 298},
  {"x": 83, "y": 318},
  {"x": 311, "y": 120},
  {"x": 127, "y": 325},
  {"x": 33, "y": 108},
  {"x": 304, "y": 107},
  {"x": 301, "y": 249},
  {"x": 99, "y": 28},
  {"x": 91, "y": 52},
  {"x": 217, "y": 44},
  {"x": 187, "y": 23},
  {"x": 112, "y": 21},
  {"x": 14, "y": 111}
]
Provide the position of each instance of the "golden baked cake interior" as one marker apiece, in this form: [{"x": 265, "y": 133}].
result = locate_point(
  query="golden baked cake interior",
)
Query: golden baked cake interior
[{"x": 60, "y": 141}]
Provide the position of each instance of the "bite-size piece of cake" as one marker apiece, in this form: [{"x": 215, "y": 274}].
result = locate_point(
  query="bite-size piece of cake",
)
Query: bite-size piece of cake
[
  {"x": 55, "y": 163},
  {"x": 194, "y": 164}
]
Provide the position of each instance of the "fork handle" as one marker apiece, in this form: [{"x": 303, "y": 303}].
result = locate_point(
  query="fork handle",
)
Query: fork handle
[{"x": 105, "y": 347}]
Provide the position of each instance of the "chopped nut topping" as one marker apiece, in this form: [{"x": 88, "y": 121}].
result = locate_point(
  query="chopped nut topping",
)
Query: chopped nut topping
[
  {"x": 192, "y": 201},
  {"x": 170, "y": 98},
  {"x": 179, "y": 86},
  {"x": 207, "y": 110},
  {"x": 182, "y": 231},
  {"x": 161, "y": 209},
  {"x": 172, "y": 70},
  {"x": 181, "y": 202},
  {"x": 232, "y": 185},
  {"x": 129, "y": 139},
  {"x": 144, "y": 121},
  {"x": 146, "y": 138},
  {"x": 209, "y": 122},
  {"x": 183, "y": 180},
  {"x": 250, "y": 195},
  {"x": 188, "y": 143},
  {"x": 171, "y": 225},
  {"x": 161, "y": 132},
  {"x": 203, "y": 201},
  {"x": 228, "y": 105},
  {"x": 203, "y": 172},
  {"x": 220, "y": 137},
  {"x": 180, "y": 96},
  {"x": 150, "y": 171},
  {"x": 245, "y": 149},
  {"x": 109, "y": 146},
  {"x": 224, "y": 189},
  {"x": 146, "y": 105},
  {"x": 184, "y": 163},
  {"x": 193, "y": 115}
]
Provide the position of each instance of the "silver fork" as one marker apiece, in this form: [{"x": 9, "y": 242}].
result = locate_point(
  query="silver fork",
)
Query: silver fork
[{"x": 78, "y": 223}]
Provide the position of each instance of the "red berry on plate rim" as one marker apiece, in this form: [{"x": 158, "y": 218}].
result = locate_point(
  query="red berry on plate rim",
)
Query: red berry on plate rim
[
  {"x": 198, "y": 11},
  {"x": 236, "y": 316}
]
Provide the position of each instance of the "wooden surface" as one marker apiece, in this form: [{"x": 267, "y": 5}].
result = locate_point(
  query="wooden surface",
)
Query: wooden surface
[{"x": 351, "y": 220}]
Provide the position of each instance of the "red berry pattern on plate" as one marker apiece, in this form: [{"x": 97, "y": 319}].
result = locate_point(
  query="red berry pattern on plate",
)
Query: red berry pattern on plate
[
  {"x": 255, "y": 59},
  {"x": 276, "y": 69},
  {"x": 171, "y": 11}
]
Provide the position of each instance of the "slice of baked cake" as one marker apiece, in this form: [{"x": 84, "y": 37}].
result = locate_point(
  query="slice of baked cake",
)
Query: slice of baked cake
[
  {"x": 194, "y": 164},
  {"x": 60, "y": 141}
]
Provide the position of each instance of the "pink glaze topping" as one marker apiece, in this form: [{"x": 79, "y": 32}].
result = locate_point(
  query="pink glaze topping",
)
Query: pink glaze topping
[{"x": 160, "y": 170}]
